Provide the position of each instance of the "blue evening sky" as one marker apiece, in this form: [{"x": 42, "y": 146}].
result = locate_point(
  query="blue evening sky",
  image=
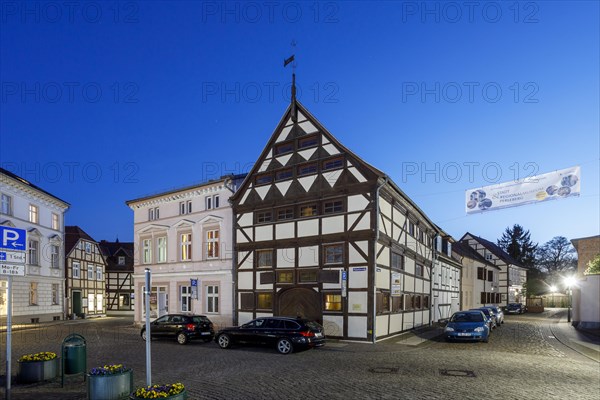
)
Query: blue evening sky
[{"x": 103, "y": 102}]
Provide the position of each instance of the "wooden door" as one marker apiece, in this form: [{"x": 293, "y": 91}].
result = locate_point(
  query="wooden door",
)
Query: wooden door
[{"x": 300, "y": 302}]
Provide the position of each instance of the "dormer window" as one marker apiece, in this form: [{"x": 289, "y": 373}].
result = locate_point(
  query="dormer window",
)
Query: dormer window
[{"x": 121, "y": 260}]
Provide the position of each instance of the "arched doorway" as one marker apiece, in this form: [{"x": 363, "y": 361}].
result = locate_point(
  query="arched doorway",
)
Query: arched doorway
[{"x": 300, "y": 302}]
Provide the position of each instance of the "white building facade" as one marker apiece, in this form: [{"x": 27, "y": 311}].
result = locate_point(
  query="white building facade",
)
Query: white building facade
[
  {"x": 512, "y": 276},
  {"x": 40, "y": 295},
  {"x": 446, "y": 280},
  {"x": 184, "y": 238}
]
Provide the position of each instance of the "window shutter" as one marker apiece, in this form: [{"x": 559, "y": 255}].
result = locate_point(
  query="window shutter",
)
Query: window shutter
[
  {"x": 329, "y": 276},
  {"x": 379, "y": 298},
  {"x": 267, "y": 277}
]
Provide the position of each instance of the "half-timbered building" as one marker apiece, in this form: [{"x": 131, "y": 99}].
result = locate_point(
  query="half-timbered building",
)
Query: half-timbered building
[
  {"x": 85, "y": 274},
  {"x": 322, "y": 234},
  {"x": 447, "y": 279},
  {"x": 119, "y": 277},
  {"x": 512, "y": 276}
]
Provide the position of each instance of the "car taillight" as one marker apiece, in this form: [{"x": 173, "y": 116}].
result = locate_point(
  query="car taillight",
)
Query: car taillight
[
  {"x": 307, "y": 334},
  {"x": 190, "y": 327}
]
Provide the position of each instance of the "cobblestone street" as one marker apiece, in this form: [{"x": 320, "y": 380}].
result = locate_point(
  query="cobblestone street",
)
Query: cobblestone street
[{"x": 523, "y": 359}]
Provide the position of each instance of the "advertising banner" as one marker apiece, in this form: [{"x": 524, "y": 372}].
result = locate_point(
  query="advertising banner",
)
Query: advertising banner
[{"x": 535, "y": 189}]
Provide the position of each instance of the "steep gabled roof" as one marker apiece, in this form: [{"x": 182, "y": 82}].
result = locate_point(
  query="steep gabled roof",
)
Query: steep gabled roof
[
  {"x": 286, "y": 120},
  {"x": 463, "y": 249},
  {"x": 72, "y": 236},
  {"x": 495, "y": 250}
]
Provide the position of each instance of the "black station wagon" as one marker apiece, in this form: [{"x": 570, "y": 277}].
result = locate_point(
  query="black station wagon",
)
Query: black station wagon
[
  {"x": 182, "y": 327},
  {"x": 286, "y": 334}
]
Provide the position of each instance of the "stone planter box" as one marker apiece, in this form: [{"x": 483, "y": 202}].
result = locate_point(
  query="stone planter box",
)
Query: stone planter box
[
  {"x": 37, "y": 371},
  {"x": 110, "y": 387},
  {"x": 180, "y": 396}
]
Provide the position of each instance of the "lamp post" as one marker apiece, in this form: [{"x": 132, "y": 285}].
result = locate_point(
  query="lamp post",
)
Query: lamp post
[{"x": 569, "y": 282}]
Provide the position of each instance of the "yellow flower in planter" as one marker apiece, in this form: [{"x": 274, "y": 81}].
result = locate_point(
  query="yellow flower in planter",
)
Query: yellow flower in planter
[
  {"x": 42, "y": 356},
  {"x": 159, "y": 391}
]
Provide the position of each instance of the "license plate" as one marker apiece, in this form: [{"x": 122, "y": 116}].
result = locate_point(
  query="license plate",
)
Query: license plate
[
  {"x": 318, "y": 334},
  {"x": 205, "y": 333},
  {"x": 464, "y": 334}
]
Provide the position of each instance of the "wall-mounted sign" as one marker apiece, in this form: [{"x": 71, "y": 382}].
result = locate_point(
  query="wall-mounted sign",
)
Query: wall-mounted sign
[{"x": 396, "y": 284}]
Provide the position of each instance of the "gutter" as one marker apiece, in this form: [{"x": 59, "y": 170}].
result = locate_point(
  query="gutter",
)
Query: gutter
[{"x": 386, "y": 180}]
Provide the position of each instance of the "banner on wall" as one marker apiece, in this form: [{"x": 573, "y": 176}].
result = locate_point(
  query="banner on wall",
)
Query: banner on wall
[{"x": 535, "y": 189}]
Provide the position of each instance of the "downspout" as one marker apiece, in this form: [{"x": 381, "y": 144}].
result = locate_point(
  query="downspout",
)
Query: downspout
[
  {"x": 373, "y": 336},
  {"x": 433, "y": 270},
  {"x": 233, "y": 255}
]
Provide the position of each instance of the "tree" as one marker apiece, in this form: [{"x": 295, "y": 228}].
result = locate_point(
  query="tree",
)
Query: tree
[
  {"x": 593, "y": 266},
  {"x": 516, "y": 241},
  {"x": 556, "y": 257}
]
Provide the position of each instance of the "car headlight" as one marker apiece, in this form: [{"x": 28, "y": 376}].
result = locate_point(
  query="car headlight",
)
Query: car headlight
[
  {"x": 449, "y": 329},
  {"x": 479, "y": 329}
]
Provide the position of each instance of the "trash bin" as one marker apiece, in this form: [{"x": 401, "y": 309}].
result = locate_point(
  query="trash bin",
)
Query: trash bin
[{"x": 74, "y": 354}]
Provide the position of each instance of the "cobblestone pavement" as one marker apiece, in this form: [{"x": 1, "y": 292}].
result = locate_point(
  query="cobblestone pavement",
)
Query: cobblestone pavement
[{"x": 521, "y": 360}]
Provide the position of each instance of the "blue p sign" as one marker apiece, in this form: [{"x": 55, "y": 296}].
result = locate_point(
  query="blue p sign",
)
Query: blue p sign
[{"x": 12, "y": 238}]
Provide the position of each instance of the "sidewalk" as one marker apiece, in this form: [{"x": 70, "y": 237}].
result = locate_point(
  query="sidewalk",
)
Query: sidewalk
[
  {"x": 584, "y": 342},
  {"x": 419, "y": 335}
]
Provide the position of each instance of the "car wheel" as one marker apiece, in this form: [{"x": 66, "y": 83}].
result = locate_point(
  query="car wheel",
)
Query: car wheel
[
  {"x": 487, "y": 339},
  {"x": 224, "y": 341},
  {"x": 144, "y": 335},
  {"x": 182, "y": 338},
  {"x": 284, "y": 346}
]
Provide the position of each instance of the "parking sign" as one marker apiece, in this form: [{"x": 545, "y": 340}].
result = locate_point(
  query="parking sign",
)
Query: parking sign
[{"x": 12, "y": 238}]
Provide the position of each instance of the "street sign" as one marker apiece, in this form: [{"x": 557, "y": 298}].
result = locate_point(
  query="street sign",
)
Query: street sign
[
  {"x": 194, "y": 285},
  {"x": 12, "y": 269},
  {"x": 13, "y": 238},
  {"x": 17, "y": 257},
  {"x": 344, "y": 283}
]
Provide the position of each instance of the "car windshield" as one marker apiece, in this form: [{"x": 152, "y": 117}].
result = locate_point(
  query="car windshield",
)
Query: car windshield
[{"x": 467, "y": 317}]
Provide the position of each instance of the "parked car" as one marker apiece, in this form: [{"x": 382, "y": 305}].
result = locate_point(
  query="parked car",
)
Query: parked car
[
  {"x": 498, "y": 313},
  {"x": 182, "y": 327},
  {"x": 490, "y": 316},
  {"x": 467, "y": 325},
  {"x": 515, "y": 308},
  {"x": 286, "y": 334}
]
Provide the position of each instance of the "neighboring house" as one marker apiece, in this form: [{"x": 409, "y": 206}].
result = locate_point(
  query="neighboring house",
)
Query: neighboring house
[
  {"x": 38, "y": 296},
  {"x": 586, "y": 294},
  {"x": 447, "y": 279},
  {"x": 512, "y": 277},
  {"x": 322, "y": 234},
  {"x": 184, "y": 235},
  {"x": 480, "y": 278},
  {"x": 85, "y": 274},
  {"x": 119, "y": 277}
]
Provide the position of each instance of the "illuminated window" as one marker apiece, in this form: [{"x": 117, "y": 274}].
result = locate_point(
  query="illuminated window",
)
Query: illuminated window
[
  {"x": 307, "y": 276},
  {"x": 332, "y": 302},
  {"x": 34, "y": 214},
  {"x": 161, "y": 246},
  {"x": 55, "y": 222},
  {"x": 264, "y": 301},
  {"x": 212, "y": 244},
  {"x": 308, "y": 211},
  {"x": 285, "y": 276},
  {"x": 186, "y": 246},
  {"x": 147, "y": 251}
]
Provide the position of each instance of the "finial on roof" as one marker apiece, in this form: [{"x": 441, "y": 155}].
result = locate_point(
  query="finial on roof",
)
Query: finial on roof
[{"x": 293, "y": 99}]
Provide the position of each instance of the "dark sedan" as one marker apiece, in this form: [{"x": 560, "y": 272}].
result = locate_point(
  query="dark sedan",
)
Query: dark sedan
[
  {"x": 182, "y": 327},
  {"x": 286, "y": 334},
  {"x": 515, "y": 308}
]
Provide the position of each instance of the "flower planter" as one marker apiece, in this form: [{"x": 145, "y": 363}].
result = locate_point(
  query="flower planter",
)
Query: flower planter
[
  {"x": 110, "y": 387},
  {"x": 178, "y": 396},
  {"x": 38, "y": 371}
]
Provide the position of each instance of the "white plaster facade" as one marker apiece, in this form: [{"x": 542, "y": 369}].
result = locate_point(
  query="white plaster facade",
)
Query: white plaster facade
[
  {"x": 40, "y": 295},
  {"x": 183, "y": 235}
]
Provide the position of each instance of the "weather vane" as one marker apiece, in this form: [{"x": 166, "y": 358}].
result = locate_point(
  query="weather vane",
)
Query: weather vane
[{"x": 285, "y": 64}]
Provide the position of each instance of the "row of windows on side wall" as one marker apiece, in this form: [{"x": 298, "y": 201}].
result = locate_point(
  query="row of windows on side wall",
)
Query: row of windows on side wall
[
  {"x": 33, "y": 294},
  {"x": 211, "y": 247},
  {"x": 6, "y": 208},
  {"x": 186, "y": 207}
]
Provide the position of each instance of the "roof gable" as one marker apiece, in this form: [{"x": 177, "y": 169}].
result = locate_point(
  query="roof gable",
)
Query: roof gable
[
  {"x": 293, "y": 162},
  {"x": 494, "y": 249}
]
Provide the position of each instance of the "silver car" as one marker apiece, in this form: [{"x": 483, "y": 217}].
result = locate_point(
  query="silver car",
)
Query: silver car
[{"x": 498, "y": 313}]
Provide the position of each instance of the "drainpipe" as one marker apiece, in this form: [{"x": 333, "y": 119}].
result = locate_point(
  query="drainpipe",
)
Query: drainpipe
[
  {"x": 375, "y": 256},
  {"x": 229, "y": 185},
  {"x": 433, "y": 269}
]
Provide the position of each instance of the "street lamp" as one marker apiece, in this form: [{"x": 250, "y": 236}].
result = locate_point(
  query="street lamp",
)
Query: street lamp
[{"x": 569, "y": 282}]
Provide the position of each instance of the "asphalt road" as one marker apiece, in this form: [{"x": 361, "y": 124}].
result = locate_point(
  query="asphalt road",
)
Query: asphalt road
[{"x": 523, "y": 359}]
